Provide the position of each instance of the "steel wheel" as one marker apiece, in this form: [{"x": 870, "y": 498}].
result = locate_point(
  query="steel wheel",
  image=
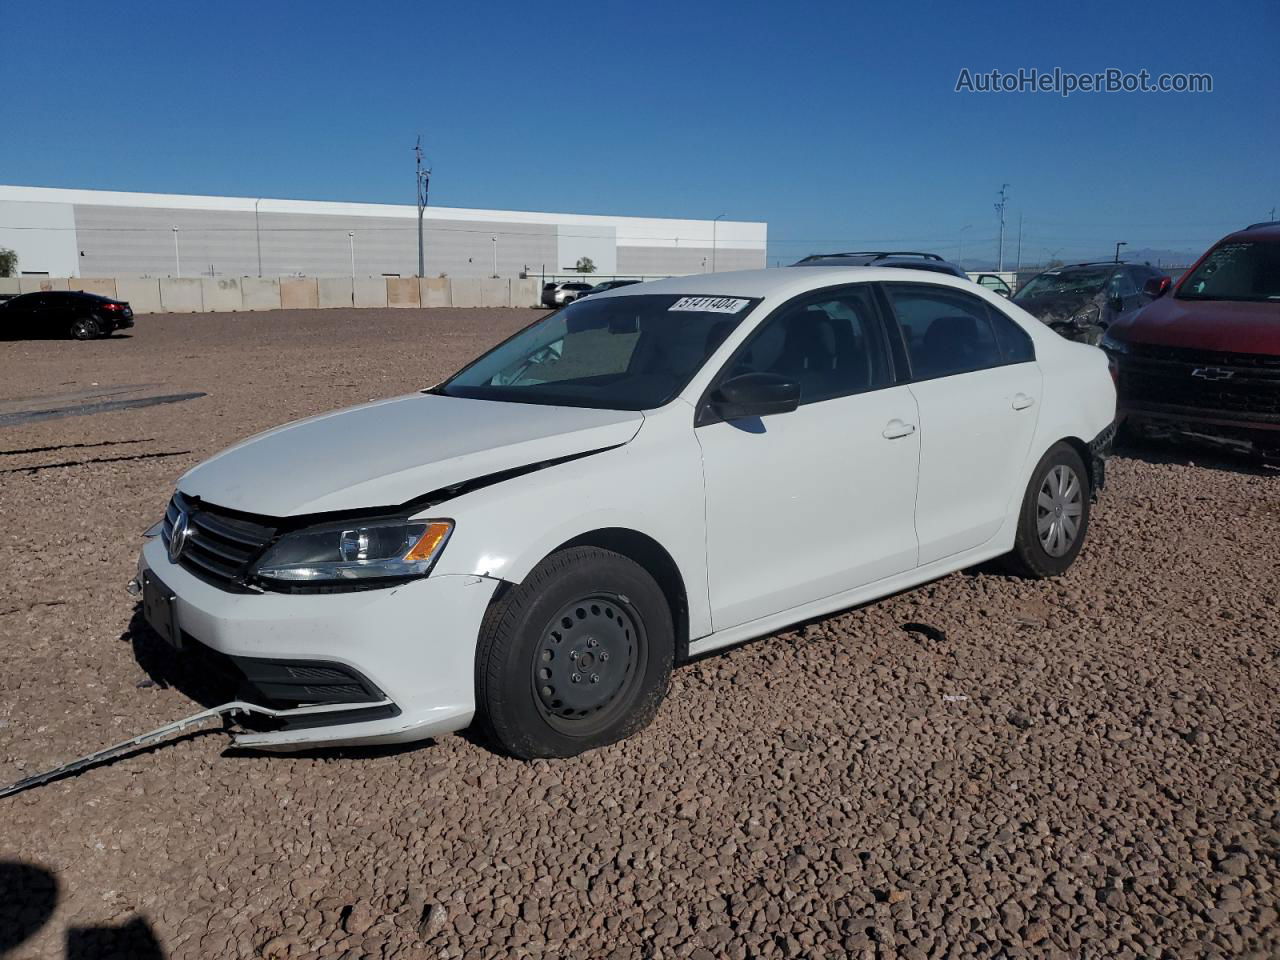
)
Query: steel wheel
[
  {"x": 587, "y": 657},
  {"x": 1059, "y": 506}
]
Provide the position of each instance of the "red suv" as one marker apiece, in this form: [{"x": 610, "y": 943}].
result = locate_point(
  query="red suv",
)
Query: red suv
[{"x": 1204, "y": 363}]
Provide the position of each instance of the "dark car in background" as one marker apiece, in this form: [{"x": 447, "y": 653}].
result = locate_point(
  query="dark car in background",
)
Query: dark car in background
[
  {"x": 1082, "y": 300},
  {"x": 883, "y": 258},
  {"x": 1203, "y": 364},
  {"x": 63, "y": 313}
]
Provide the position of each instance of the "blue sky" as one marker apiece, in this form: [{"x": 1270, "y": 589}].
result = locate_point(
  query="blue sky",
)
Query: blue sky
[{"x": 837, "y": 123}]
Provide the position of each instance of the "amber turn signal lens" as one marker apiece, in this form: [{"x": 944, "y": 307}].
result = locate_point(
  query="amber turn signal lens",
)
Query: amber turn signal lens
[{"x": 432, "y": 538}]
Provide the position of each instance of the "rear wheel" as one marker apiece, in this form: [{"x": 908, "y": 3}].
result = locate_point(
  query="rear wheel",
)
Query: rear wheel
[
  {"x": 86, "y": 328},
  {"x": 577, "y": 656},
  {"x": 1054, "y": 518}
]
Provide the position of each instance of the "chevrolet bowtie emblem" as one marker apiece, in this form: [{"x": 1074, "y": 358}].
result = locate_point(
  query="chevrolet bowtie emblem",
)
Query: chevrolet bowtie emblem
[{"x": 1212, "y": 373}]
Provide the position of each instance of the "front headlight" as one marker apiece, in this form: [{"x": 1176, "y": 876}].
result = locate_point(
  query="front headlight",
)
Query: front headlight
[
  {"x": 1086, "y": 317},
  {"x": 340, "y": 553}
]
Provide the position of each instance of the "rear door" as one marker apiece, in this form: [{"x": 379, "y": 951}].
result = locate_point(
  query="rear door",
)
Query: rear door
[{"x": 975, "y": 379}]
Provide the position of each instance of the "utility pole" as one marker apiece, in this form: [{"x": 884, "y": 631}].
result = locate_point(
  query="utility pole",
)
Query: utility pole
[
  {"x": 1018, "y": 266},
  {"x": 495, "y": 255},
  {"x": 1004, "y": 200},
  {"x": 960, "y": 245},
  {"x": 424, "y": 181},
  {"x": 177, "y": 257},
  {"x": 351, "y": 242}
]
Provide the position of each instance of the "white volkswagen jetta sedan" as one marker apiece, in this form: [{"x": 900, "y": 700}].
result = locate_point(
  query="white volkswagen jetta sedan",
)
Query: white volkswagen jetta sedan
[{"x": 648, "y": 474}]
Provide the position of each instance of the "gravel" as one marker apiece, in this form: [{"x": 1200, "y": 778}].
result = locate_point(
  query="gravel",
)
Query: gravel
[{"x": 978, "y": 767}]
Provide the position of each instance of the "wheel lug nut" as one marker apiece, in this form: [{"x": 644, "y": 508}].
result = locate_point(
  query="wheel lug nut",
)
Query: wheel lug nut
[
  {"x": 604, "y": 656},
  {"x": 595, "y": 678},
  {"x": 577, "y": 677},
  {"x": 573, "y": 654},
  {"x": 592, "y": 642}
]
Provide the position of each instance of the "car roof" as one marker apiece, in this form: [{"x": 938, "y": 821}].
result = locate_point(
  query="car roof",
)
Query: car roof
[
  {"x": 777, "y": 282},
  {"x": 1268, "y": 230}
]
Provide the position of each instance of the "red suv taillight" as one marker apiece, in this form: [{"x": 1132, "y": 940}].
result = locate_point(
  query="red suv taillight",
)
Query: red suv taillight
[{"x": 112, "y": 306}]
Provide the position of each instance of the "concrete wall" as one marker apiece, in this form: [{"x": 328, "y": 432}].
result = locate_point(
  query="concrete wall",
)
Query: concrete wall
[
  {"x": 434, "y": 292},
  {"x": 229, "y": 294},
  {"x": 403, "y": 292},
  {"x": 142, "y": 295},
  {"x": 371, "y": 291},
  {"x": 300, "y": 293},
  {"x": 221, "y": 293},
  {"x": 334, "y": 292},
  {"x": 102, "y": 286},
  {"x": 36, "y": 284},
  {"x": 181, "y": 295},
  {"x": 526, "y": 293},
  {"x": 260, "y": 293}
]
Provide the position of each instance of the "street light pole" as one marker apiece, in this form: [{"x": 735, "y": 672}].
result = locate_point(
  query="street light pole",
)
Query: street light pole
[
  {"x": 960, "y": 252},
  {"x": 1122, "y": 243},
  {"x": 495, "y": 255},
  {"x": 714, "y": 224},
  {"x": 177, "y": 257}
]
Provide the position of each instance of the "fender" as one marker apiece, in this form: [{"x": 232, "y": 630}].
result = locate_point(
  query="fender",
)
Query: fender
[{"x": 652, "y": 485}]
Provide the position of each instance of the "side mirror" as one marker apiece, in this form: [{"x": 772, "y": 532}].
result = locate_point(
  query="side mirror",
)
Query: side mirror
[
  {"x": 755, "y": 395},
  {"x": 1157, "y": 287}
]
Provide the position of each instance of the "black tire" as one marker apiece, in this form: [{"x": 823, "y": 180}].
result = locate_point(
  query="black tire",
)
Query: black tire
[
  {"x": 86, "y": 328},
  {"x": 580, "y": 605},
  {"x": 1032, "y": 556}
]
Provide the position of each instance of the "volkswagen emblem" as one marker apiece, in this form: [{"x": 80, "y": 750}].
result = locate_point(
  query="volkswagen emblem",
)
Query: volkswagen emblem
[
  {"x": 178, "y": 537},
  {"x": 1212, "y": 373}
]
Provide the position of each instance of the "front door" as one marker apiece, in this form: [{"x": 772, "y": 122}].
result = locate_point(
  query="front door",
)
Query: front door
[{"x": 811, "y": 503}]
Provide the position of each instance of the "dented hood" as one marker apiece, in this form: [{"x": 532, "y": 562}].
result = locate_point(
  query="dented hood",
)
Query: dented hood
[{"x": 386, "y": 453}]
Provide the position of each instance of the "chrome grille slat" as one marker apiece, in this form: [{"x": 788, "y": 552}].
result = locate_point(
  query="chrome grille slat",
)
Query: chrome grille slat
[{"x": 221, "y": 546}]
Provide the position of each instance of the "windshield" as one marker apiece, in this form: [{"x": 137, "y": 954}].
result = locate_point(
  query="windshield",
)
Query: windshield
[
  {"x": 1065, "y": 283},
  {"x": 616, "y": 353},
  {"x": 1236, "y": 271}
]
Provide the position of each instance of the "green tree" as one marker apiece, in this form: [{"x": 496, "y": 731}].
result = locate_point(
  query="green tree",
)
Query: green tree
[
  {"x": 8, "y": 262},
  {"x": 585, "y": 265}
]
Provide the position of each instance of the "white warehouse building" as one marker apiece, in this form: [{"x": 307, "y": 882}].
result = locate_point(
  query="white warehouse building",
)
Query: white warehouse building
[{"x": 100, "y": 233}]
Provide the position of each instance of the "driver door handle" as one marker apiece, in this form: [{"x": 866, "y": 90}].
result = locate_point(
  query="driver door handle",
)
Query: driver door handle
[
  {"x": 1021, "y": 401},
  {"x": 896, "y": 430}
]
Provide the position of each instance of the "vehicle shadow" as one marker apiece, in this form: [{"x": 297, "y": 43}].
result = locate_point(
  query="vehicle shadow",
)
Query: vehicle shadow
[
  {"x": 1161, "y": 452},
  {"x": 29, "y": 895}
]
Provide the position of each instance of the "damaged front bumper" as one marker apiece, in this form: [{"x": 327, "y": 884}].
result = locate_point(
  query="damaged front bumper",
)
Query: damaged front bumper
[{"x": 390, "y": 665}]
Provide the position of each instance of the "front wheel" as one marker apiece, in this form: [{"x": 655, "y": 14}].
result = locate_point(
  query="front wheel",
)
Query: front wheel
[
  {"x": 577, "y": 656},
  {"x": 1054, "y": 517}
]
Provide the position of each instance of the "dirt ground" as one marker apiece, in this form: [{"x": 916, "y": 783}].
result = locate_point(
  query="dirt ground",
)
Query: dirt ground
[{"x": 979, "y": 767}]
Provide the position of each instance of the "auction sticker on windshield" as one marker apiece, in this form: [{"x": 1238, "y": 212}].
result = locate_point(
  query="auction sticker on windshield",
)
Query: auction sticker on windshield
[{"x": 710, "y": 304}]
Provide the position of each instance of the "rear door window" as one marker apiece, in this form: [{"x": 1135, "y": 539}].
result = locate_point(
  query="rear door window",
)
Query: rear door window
[{"x": 946, "y": 332}]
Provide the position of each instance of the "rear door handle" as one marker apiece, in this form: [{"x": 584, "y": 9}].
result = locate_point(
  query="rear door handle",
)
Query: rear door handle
[
  {"x": 1021, "y": 401},
  {"x": 896, "y": 430}
]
